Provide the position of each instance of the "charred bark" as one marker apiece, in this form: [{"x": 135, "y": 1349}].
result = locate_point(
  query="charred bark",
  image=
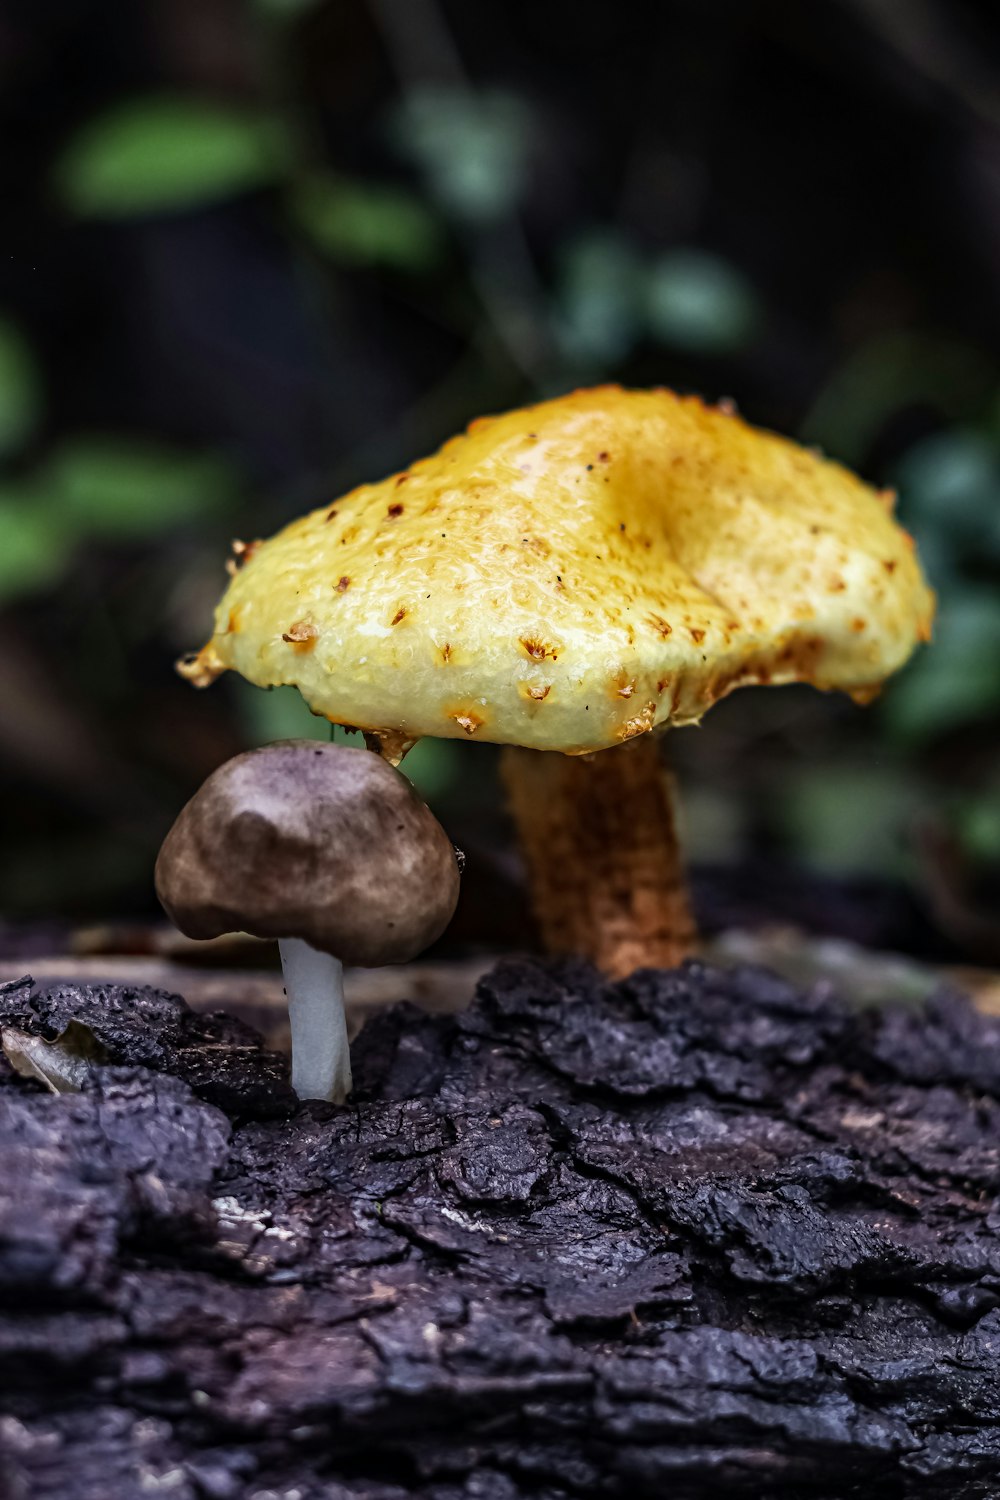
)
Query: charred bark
[{"x": 692, "y": 1234}]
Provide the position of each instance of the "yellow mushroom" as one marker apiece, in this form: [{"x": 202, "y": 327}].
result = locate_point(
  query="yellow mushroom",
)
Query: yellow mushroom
[{"x": 567, "y": 578}]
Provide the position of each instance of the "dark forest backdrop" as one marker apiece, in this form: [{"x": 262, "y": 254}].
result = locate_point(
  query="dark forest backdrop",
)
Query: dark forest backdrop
[{"x": 255, "y": 253}]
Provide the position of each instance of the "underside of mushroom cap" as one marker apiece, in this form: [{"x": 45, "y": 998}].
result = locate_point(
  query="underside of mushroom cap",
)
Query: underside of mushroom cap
[{"x": 569, "y": 575}]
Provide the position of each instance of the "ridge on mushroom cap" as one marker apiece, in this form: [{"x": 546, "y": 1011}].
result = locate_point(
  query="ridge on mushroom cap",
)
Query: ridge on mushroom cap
[{"x": 568, "y": 575}]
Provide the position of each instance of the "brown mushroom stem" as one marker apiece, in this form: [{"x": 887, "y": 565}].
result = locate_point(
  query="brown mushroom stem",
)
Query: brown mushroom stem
[{"x": 599, "y": 839}]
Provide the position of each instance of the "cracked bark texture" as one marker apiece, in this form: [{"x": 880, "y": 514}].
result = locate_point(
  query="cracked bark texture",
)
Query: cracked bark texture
[{"x": 694, "y": 1233}]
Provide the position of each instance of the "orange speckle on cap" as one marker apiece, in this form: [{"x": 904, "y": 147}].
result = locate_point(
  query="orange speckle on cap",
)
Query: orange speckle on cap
[
  {"x": 642, "y": 723},
  {"x": 242, "y": 553},
  {"x": 537, "y": 650},
  {"x": 468, "y": 721},
  {"x": 712, "y": 547},
  {"x": 302, "y": 635}
]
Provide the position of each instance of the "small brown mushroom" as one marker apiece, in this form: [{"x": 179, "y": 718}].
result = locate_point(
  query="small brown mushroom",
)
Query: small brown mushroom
[{"x": 327, "y": 849}]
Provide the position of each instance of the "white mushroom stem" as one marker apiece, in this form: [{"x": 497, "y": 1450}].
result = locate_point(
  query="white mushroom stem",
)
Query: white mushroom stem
[{"x": 321, "y": 1054}]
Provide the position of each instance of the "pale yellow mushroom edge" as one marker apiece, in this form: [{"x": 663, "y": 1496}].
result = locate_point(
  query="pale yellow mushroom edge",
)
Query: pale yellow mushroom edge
[{"x": 567, "y": 576}]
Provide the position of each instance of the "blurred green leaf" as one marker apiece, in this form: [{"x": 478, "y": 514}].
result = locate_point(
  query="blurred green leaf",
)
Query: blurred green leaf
[
  {"x": 105, "y": 487},
  {"x": 473, "y": 148},
  {"x": 34, "y": 545},
  {"x": 951, "y": 481},
  {"x": 279, "y": 713},
  {"x": 978, "y": 822},
  {"x": 957, "y": 680},
  {"x": 896, "y": 370},
  {"x": 367, "y": 223},
  {"x": 600, "y": 297},
  {"x": 850, "y": 818},
  {"x": 933, "y": 699},
  {"x": 165, "y": 155},
  {"x": 714, "y": 826},
  {"x": 119, "y": 487},
  {"x": 433, "y": 766},
  {"x": 20, "y": 389},
  {"x": 939, "y": 557},
  {"x": 699, "y": 302}
]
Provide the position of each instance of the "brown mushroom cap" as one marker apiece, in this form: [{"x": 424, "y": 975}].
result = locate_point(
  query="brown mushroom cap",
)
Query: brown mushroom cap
[{"x": 315, "y": 841}]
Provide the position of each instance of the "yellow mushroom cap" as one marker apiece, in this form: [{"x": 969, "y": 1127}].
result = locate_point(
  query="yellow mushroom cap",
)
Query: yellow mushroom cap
[{"x": 572, "y": 574}]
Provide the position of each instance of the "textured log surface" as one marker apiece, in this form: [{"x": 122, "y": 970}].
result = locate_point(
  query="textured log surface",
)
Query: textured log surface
[{"x": 694, "y": 1234}]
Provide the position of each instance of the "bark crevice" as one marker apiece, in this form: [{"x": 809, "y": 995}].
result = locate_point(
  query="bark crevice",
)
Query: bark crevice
[{"x": 696, "y": 1232}]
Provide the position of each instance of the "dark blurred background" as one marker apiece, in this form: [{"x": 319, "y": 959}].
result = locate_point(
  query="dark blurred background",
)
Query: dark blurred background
[{"x": 254, "y": 253}]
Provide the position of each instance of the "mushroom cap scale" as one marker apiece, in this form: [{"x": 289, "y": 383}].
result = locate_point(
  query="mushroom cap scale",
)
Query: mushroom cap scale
[
  {"x": 314, "y": 841},
  {"x": 568, "y": 575}
]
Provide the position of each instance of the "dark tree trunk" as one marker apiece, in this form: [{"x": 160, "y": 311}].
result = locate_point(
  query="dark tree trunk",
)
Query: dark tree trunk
[{"x": 691, "y": 1235}]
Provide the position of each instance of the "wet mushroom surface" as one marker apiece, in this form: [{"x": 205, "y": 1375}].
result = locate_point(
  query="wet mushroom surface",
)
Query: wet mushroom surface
[
  {"x": 327, "y": 849},
  {"x": 564, "y": 580},
  {"x": 694, "y": 1233}
]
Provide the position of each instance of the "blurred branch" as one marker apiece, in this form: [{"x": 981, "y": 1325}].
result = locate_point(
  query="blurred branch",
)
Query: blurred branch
[
  {"x": 667, "y": 178},
  {"x": 423, "y": 48},
  {"x": 500, "y": 263},
  {"x": 947, "y": 876},
  {"x": 924, "y": 35},
  {"x": 43, "y": 735}
]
